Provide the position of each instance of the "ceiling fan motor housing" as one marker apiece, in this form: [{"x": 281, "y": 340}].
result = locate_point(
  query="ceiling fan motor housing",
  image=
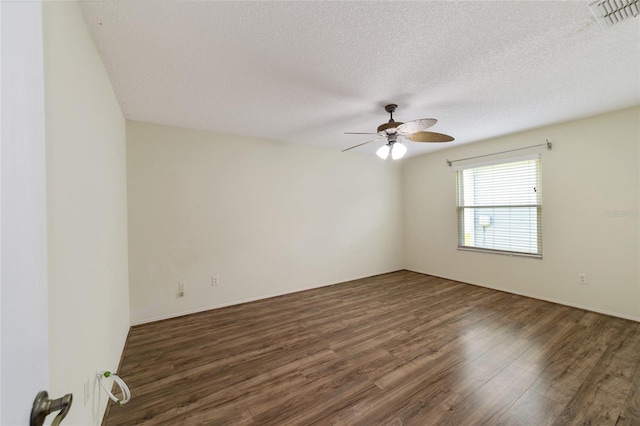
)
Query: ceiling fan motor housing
[{"x": 388, "y": 128}]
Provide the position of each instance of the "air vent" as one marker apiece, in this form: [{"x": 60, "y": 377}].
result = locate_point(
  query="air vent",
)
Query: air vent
[{"x": 611, "y": 12}]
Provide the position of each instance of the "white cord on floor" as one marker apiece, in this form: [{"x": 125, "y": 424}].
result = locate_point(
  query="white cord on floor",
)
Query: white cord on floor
[{"x": 126, "y": 393}]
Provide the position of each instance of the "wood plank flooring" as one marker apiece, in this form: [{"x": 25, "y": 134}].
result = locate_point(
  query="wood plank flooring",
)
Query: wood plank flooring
[{"x": 396, "y": 349}]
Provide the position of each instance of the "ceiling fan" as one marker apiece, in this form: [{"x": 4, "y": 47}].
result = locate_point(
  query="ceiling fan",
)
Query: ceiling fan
[{"x": 414, "y": 131}]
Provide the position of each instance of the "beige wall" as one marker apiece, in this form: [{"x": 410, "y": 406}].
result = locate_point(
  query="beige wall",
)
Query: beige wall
[
  {"x": 267, "y": 218},
  {"x": 87, "y": 221},
  {"x": 591, "y": 171}
]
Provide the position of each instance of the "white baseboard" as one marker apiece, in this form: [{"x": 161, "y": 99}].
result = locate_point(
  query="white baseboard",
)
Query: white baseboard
[
  {"x": 268, "y": 296},
  {"x": 241, "y": 301},
  {"x": 546, "y": 299}
]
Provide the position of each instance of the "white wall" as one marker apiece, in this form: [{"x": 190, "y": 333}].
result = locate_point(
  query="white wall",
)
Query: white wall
[
  {"x": 24, "y": 344},
  {"x": 87, "y": 218},
  {"x": 267, "y": 218},
  {"x": 592, "y": 170}
]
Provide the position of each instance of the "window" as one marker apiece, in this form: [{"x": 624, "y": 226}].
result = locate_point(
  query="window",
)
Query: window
[{"x": 500, "y": 207}]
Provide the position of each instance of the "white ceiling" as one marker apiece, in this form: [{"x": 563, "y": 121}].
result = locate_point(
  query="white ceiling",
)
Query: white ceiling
[{"x": 306, "y": 72}]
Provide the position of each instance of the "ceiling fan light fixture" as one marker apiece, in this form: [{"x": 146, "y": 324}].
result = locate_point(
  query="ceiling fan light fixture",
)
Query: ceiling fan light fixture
[
  {"x": 398, "y": 150},
  {"x": 383, "y": 151}
]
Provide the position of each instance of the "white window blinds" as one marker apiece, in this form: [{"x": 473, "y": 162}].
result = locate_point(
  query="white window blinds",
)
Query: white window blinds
[{"x": 500, "y": 207}]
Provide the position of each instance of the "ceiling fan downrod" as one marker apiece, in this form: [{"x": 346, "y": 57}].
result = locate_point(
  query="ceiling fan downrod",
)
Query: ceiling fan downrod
[
  {"x": 387, "y": 128},
  {"x": 391, "y": 108}
]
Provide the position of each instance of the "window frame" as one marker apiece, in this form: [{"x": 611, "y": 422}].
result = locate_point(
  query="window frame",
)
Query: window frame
[{"x": 461, "y": 208}]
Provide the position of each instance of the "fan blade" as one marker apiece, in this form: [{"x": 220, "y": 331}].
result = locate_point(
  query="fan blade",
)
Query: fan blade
[
  {"x": 358, "y": 133},
  {"x": 416, "y": 126},
  {"x": 360, "y": 144},
  {"x": 429, "y": 137}
]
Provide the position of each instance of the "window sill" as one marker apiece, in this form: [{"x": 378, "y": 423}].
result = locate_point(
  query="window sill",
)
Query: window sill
[{"x": 501, "y": 252}]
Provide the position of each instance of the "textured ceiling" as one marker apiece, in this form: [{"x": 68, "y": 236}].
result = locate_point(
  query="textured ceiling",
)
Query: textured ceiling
[{"x": 306, "y": 72}]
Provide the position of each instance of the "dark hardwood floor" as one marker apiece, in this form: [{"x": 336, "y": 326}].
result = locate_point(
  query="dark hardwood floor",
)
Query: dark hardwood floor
[{"x": 395, "y": 349}]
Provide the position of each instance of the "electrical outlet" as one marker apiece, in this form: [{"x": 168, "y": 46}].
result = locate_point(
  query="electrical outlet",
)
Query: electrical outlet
[
  {"x": 182, "y": 287},
  {"x": 582, "y": 279},
  {"x": 215, "y": 280}
]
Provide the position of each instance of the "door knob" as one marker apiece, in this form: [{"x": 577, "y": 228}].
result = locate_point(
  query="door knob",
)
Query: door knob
[{"x": 43, "y": 406}]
